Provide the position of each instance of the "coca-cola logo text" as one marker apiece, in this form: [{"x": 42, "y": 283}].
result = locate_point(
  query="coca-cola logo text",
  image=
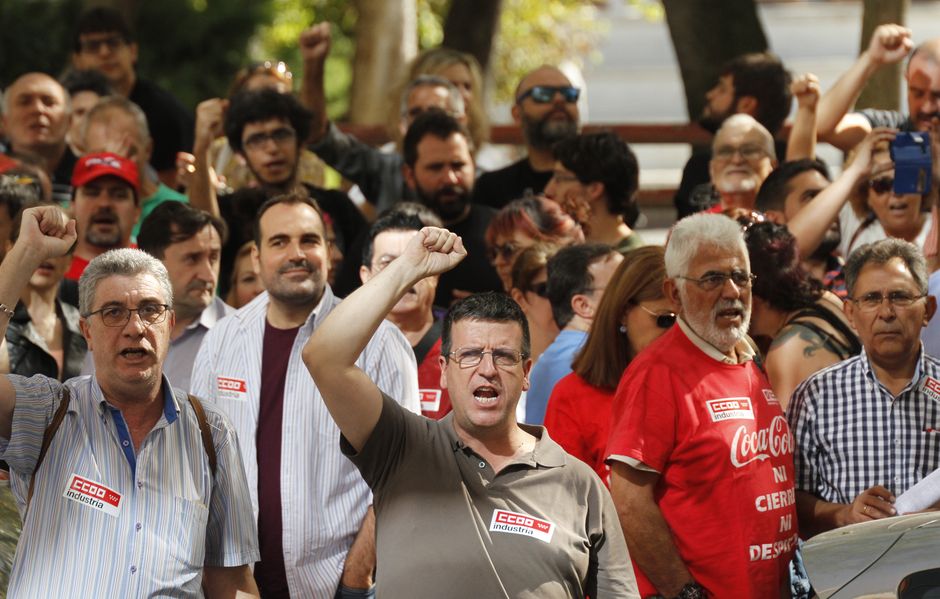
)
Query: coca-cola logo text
[{"x": 773, "y": 441}]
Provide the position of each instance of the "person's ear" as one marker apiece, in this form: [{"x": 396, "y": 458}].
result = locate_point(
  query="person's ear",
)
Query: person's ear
[
  {"x": 930, "y": 308},
  {"x": 746, "y": 105},
  {"x": 409, "y": 175},
  {"x": 671, "y": 292}
]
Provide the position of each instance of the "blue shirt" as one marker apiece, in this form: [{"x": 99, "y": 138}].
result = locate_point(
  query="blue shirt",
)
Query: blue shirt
[
  {"x": 106, "y": 521},
  {"x": 553, "y": 365}
]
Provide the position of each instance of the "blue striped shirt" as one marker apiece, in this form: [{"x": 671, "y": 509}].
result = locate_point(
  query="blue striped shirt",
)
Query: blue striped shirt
[
  {"x": 852, "y": 433},
  {"x": 171, "y": 520}
]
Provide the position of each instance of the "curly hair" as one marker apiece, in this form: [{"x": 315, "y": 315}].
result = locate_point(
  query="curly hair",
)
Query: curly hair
[{"x": 781, "y": 281}]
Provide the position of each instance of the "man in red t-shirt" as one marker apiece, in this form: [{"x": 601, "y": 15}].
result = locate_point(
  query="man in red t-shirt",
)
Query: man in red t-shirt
[
  {"x": 700, "y": 452},
  {"x": 106, "y": 202},
  {"x": 413, "y": 314}
]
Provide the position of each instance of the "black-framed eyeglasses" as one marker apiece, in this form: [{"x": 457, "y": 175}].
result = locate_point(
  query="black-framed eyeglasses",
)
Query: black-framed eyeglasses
[
  {"x": 93, "y": 46},
  {"x": 881, "y": 185},
  {"x": 472, "y": 356},
  {"x": 897, "y": 299},
  {"x": 281, "y": 135},
  {"x": 118, "y": 316},
  {"x": 543, "y": 94},
  {"x": 715, "y": 280},
  {"x": 664, "y": 320},
  {"x": 540, "y": 289}
]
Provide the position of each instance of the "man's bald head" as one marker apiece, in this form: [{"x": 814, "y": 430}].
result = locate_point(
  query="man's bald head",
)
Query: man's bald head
[
  {"x": 543, "y": 75},
  {"x": 35, "y": 113}
]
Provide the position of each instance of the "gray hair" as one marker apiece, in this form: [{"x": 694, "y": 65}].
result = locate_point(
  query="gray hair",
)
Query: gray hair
[
  {"x": 121, "y": 103},
  {"x": 881, "y": 252},
  {"x": 123, "y": 262},
  {"x": 455, "y": 100},
  {"x": 747, "y": 122},
  {"x": 690, "y": 234}
]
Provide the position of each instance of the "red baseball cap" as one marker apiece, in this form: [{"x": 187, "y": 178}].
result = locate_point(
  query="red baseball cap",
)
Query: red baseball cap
[{"x": 104, "y": 164}]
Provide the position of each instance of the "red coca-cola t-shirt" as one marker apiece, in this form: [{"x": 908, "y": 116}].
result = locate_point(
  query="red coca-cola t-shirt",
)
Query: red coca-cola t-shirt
[{"x": 717, "y": 436}]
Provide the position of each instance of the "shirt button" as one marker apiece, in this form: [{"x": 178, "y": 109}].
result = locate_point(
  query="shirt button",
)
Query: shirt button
[
  {"x": 482, "y": 464},
  {"x": 125, "y": 442},
  {"x": 897, "y": 441},
  {"x": 133, "y": 569},
  {"x": 140, "y": 484},
  {"x": 138, "y": 526}
]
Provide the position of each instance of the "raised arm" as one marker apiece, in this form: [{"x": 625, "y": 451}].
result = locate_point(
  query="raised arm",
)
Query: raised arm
[
  {"x": 44, "y": 233},
  {"x": 836, "y": 124},
  {"x": 210, "y": 115},
  {"x": 802, "y": 142},
  {"x": 354, "y": 401},
  {"x": 314, "y": 48},
  {"x": 810, "y": 224}
]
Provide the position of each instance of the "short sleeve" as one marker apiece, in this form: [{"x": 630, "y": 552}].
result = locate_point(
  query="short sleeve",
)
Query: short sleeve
[{"x": 644, "y": 417}]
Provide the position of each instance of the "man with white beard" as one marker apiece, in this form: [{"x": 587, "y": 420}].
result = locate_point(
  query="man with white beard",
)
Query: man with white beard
[
  {"x": 698, "y": 435},
  {"x": 742, "y": 156}
]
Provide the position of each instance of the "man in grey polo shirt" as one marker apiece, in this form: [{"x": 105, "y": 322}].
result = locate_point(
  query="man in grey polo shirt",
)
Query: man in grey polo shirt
[
  {"x": 490, "y": 508},
  {"x": 189, "y": 243}
]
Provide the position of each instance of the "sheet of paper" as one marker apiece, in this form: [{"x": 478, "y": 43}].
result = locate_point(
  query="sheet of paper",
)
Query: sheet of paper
[{"x": 921, "y": 496}]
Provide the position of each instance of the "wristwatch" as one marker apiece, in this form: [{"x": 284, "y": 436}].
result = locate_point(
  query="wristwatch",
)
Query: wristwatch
[{"x": 692, "y": 590}]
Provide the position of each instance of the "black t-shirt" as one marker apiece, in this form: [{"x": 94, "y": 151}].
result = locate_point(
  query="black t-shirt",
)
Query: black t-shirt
[
  {"x": 498, "y": 188},
  {"x": 62, "y": 178},
  {"x": 240, "y": 209},
  {"x": 474, "y": 273},
  {"x": 171, "y": 125}
]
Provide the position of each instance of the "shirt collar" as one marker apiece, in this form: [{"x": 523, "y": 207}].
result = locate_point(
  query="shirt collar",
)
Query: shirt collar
[
  {"x": 742, "y": 348},
  {"x": 915, "y": 379},
  {"x": 171, "y": 409},
  {"x": 547, "y": 452}
]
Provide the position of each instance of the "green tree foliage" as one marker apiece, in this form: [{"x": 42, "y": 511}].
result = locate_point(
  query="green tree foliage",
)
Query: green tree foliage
[{"x": 191, "y": 47}]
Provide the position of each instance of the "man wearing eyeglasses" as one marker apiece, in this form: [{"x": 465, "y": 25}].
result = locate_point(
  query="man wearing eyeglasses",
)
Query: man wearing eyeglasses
[
  {"x": 743, "y": 155},
  {"x": 139, "y": 491},
  {"x": 104, "y": 42},
  {"x": 491, "y": 508},
  {"x": 698, "y": 435},
  {"x": 546, "y": 109},
  {"x": 267, "y": 128},
  {"x": 866, "y": 429}
]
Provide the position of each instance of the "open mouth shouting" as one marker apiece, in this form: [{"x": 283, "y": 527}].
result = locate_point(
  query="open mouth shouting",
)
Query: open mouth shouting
[{"x": 485, "y": 395}]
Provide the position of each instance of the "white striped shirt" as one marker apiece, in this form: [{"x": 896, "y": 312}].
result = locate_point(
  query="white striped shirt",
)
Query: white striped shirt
[
  {"x": 172, "y": 517},
  {"x": 323, "y": 497},
  {"x": 852, "y": 433}
]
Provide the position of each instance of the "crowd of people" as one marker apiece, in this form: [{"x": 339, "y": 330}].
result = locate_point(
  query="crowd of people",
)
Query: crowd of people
[{"x": 451, "y": 379}]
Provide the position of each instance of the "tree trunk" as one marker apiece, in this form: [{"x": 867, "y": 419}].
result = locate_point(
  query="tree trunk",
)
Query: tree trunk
[
  {"x": 386, "y": 39},
  {"x": 884, "y": 88},
  {"x": 705, "y": 37},
  {"x": 471, "y": 26}
]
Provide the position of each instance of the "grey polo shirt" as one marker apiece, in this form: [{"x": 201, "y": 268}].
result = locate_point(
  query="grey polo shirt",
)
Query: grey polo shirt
[
  {"x": 545, "y": 526},
  {"x": 178, "y": 366}
]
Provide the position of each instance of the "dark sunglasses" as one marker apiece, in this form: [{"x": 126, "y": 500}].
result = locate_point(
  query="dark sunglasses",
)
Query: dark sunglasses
[
  {"x": 543, "y": 94},
  {"x": 664, "y": 320},
  {"x": 882, "y": 185},
  {"x": 507, "y": 251}
]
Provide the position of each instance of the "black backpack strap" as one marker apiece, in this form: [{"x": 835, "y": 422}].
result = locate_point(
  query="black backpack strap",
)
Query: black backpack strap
[
  {"x": 47, "y": 436},
  {"x": 207, "y": 442}
]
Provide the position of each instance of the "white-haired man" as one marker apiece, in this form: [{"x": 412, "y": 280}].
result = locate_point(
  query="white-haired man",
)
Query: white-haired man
[
  {"x": 742, "y": 156},
  {"x": 695, "y": 443}
]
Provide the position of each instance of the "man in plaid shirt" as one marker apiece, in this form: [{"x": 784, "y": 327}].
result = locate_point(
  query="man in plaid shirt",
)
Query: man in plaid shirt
[{"x": 868, "y": 429}]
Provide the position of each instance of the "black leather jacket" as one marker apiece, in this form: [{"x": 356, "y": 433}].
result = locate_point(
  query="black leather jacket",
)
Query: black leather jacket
[{"x": 27, "y": 350}]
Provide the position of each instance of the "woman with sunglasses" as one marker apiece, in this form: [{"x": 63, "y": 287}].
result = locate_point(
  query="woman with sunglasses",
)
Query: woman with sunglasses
[
  {"x": 632, "y": 314},
  {"x": 523, "y": 223},
  {"x": 799, "y": 327},
  {"x": 529, "y": 290},
  {"x": 875, "y": 211}
]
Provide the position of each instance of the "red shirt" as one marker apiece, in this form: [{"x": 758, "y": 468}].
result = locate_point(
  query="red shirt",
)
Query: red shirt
[
  {"x": 77, "y": 268},
  {"x": 435, "y": 403},
  {"x": 578, "y": 419},
  {"x": 716, "y": 434}
]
